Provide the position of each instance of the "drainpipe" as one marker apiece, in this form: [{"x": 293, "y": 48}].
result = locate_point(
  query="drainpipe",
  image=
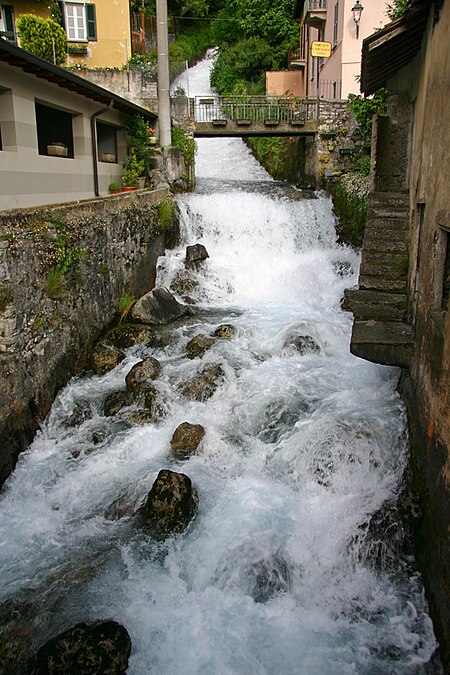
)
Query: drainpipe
[{"x": 94, "y": 143}]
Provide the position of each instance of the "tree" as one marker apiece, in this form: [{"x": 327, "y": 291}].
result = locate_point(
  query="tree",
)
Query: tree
[
  {"x": 42, "y": 37},
  {"x": 397, "y": 9}
]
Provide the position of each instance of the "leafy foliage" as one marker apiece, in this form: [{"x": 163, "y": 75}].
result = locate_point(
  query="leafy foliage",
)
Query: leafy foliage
[
  {"x": 252, "y": 36},
  {"x": 397, "y": 9},
  {"x": 133, "y": 169},
  {"x": 181, "y": 140},
  {"x": 365, "y": 108},
  {"x": 139, "y": 134},
  {"x": 245, "y": 61},
  {"x": 126, "y": 302},
  {"x": 350, "y": 205},
  {"x": 38, "y": 35}
]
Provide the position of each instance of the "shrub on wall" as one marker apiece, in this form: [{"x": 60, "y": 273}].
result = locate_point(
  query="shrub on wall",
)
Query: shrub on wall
[
  {"x": 42, "y": 37},
  {"x": 350, "y": 206}
]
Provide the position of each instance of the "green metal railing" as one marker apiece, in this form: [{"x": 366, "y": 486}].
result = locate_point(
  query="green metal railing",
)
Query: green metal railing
[{"x": 241, "y": 109}]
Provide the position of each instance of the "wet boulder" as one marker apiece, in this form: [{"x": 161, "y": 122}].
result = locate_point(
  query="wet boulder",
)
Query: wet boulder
[
  {"x": 117, "y": 401},
  {"x": 195, "y": 254},
  {"x": 184, "y": 283},
  {"x": 225, "y": 331},
  {"x": 171, "y": 504},
  {"x": 158, "y": 307},
  {"x": 105, "y": 357},
  {"x": 303, "y": 344},
  {"x": 267, "y": 577},
  {"x": 198, "y": 345},
  {"x": 137, "y": 379},
  {"x": 204, "y": 384},
  {"x": 120, "y": 508},
  {"x": 186, "y": 439},
  {"x": 84, "y": 649},
  {"x": 128, "y": 335}
]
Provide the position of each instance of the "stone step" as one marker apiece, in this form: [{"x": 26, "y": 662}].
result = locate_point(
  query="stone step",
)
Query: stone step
[
  {"x": 388, "y": 224},
  {"x": 383, "y": 332},
  {"x": 387, "y": 211},
  {"x": 376, "y": 304},
  {"x": 391, "y": 265},
  {"x": 395, "y": 198},
  {"x": 388, "y": 342},
  {"x": 375, "y": 243},
  {"x": 382, "y": 283},
  {"x": 384, "y": 235}
]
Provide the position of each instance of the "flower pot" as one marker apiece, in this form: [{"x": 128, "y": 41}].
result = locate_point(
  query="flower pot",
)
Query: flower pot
[
  {"x": 114, "y": 192},
  {"x": 56, "y": 150},
  {"x": 128, "y": 188},
  {"x": 108, "y": 157}
]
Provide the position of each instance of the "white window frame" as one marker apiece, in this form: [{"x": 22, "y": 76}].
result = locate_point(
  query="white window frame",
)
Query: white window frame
[{"x": 75, "y": 21}]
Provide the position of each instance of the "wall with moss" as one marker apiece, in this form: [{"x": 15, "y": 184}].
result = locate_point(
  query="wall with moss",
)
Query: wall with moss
[{"x": 101, "y": 248}]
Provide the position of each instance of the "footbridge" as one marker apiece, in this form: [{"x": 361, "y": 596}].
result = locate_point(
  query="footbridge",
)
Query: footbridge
[{"x": 231, "y": 116}]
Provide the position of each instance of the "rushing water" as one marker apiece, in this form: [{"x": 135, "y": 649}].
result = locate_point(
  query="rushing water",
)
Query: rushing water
[{"x": 276, "y": 573}]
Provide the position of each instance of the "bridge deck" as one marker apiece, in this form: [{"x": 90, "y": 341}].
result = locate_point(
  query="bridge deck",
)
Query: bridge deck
[{"x": 229, "y": 116}]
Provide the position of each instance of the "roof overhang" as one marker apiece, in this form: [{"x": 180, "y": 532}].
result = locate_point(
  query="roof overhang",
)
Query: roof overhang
[
  {"x": 298, "y": 9},
  {"x": 385, "y": 52},
  {"x": 19, "y": 58}
]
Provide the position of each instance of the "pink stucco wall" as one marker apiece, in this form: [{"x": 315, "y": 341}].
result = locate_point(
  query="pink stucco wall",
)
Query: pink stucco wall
[{"x": 284, "y": 82}]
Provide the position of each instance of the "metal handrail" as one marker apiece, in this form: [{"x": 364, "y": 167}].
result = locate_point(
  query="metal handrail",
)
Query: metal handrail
[{"x": 253, "y": 108}]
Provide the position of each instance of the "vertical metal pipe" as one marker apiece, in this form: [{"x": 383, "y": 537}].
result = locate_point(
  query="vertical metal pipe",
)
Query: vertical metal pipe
[{"x": 163, "y": 74}]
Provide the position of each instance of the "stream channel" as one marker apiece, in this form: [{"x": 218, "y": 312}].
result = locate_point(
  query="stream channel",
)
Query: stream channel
[{"x": 296, "y": 561}]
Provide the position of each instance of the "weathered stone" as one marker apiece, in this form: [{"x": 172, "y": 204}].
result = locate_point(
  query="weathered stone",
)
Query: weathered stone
[
  {"x": 140, "y": 374},
  {"x": 171, "y": 504},
  {"x": 304, "y": 344},
  {"x": 195, "y": 254},
  {"x": 198, "y": 345},
  {"x": 186, "y": 439},
  {"x": 158, "y": 307},
  {"x": 84, "y": 649},
  {"x": 267, "y": 577},
  {"x": 105, "y": 357},
  {"x": 184, "y": 283},
  {"x": 204, "y": 384},
  {"x": 225, "y": 331},
  {"x": 125, "y": 336},
  {"x": 116, "y": 401},
  {"x": 120, "y": 508}
]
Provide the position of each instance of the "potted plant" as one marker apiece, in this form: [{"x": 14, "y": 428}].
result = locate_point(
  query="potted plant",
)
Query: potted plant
[
  {"x": 133, "y": 169},
  {"x": 114, "y": 188},
  {"x": 57, "y": 149}
]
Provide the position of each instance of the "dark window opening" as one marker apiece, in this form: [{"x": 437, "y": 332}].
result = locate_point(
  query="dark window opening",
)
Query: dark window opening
[
  {"x": 336, "y": 23},
  {"x": 7, "y": 27},
  {"x": 446, "y": 276},
  {"x": 106, "y": 142},
  {"x": 53, "y": 127}
]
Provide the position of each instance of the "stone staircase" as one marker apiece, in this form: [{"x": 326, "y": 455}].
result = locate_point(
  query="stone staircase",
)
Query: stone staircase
[{"x": 381, "y": 330}]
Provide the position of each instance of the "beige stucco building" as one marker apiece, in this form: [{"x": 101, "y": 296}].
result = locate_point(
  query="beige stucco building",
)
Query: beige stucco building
[
  {"x": 332, "y": 21},
  {"x": 42, "y": 104},
  {"x": 98, "y": 33}
]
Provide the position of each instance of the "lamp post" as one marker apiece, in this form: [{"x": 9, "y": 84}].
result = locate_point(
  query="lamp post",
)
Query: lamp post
[{"x": 357, "y": 11}]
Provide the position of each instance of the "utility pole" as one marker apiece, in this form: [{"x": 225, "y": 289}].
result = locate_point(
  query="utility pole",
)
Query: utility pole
[{"x": 165, "y": 137}]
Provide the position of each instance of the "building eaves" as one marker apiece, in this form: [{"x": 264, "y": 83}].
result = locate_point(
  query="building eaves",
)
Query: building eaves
[
  {"x": 29, "y": 63},
  {"x": 385, "y": 52},
  {"x": 298, "y": 9}
]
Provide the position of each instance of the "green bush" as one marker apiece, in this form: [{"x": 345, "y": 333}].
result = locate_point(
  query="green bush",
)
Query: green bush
[
  {"x": 139, "y": 134},
  {"x": 37, "y": 36},
  {"x": 133, "y": 170},
  {"x": 247, "y": 60},
  {"x": 365, "y": 108},
  {"x": 126, "y": 302},
  {"x": 350, "y": 206},
  {"x": 185, "y": 143}
]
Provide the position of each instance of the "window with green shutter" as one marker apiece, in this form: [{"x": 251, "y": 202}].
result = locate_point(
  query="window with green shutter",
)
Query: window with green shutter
[
  {"x": 90, "y": 20},
  {"x": 7, "y": 28}
]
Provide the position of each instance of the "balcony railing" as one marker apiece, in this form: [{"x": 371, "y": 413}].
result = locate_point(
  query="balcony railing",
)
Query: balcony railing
[
  {"x": 297, "y": 57},
  {"x": 244, "y": 109}
]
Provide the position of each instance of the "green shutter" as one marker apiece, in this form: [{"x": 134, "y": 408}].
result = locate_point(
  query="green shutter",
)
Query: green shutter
[
  {"x": 90, "y": 20},
  {"x": 61, "y": 14},
  {"x": 9, "y": 22}
]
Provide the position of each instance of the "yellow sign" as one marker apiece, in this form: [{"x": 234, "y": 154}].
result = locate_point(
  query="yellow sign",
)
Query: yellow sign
[{"x": 322, "y": 49}]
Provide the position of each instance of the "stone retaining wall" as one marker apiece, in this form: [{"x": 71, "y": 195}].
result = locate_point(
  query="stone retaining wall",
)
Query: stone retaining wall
[{"x": 44, "y": 341}]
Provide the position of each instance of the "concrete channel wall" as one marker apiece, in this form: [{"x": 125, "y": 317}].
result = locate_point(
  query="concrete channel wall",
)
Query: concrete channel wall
[{"x": 45, "y": 340}]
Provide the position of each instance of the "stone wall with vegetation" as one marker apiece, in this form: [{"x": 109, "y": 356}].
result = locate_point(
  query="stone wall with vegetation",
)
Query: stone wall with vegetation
[{"x": 63, "y": 271}]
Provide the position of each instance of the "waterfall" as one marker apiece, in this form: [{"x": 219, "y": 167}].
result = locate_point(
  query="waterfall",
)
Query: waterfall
[{"x": 283, "y": 570}]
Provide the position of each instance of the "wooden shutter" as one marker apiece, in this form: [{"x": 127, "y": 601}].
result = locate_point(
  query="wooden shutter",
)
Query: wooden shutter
[
  {"x": 91, "y": 23},
  {"x": 61, "y": 10}
]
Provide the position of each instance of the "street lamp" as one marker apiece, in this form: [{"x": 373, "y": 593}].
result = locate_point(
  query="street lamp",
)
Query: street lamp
[{"x": 357, "y": 11}]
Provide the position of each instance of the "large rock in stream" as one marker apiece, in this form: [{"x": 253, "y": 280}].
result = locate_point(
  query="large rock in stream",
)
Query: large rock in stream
[
  {"x": 137, "y": 380},
  {"x": 105, "y": 357},
  {"x": 204, "y": 384},
  {"x": 198, "y": 345},
  {"x": 186, "y": 439},
  {"x": 159, "y": 307},
  {"x": 195, "y": 254},
  {"x": 171, "y": 504},
  {"x": 85, "y": 649}
]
